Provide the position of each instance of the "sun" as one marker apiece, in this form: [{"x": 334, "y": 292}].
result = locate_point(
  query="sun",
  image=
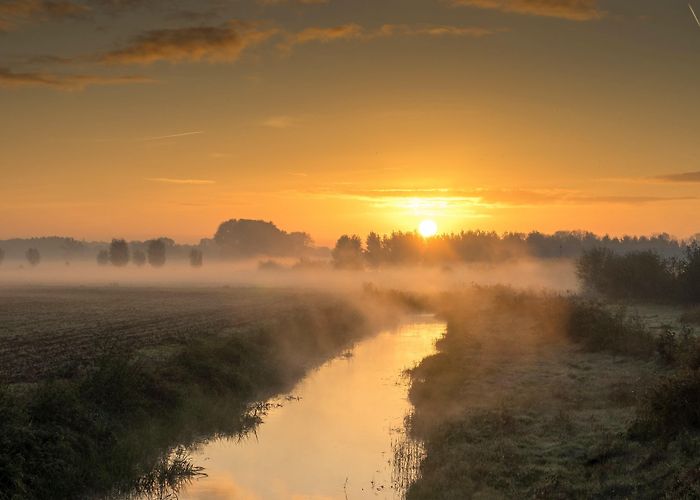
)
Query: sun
[{"x": 427, "y": 228}]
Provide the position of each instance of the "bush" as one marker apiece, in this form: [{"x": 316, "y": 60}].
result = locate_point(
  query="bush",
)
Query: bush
[
  {"x": 599, "y": 329},
  {"x": 669, "y": 407}
]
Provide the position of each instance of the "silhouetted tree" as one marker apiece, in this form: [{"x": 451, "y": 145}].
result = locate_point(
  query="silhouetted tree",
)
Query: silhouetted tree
[
  {"x": 119, "y": 253},
  {"x": 690, "y": 273},
  {"x": 347, "y": 253},
  {"x": 247, "y": 238},
  {"x": 2, "y": 255},
  {"x": 138, "y": 257},
  {"x": 156, "y": 252},
  {"x": 196, "y": 258},
  {"x": 33, "y": 256},
  {"x": 102, "y": 257},
  {"x": 374, "y": 253}
]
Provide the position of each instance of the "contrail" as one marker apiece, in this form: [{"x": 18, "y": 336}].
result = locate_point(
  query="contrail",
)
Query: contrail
[
  {"x": 694, "y": 15},
  {"x": 183, "y": 134}
]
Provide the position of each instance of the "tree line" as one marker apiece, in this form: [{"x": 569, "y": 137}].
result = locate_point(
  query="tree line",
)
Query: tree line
[
  {"x": 409, "y": 248},
  {"x": 119, "y": 254}
]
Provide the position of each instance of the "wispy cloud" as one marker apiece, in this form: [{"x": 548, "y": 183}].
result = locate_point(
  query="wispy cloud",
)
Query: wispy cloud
[
  {"x": 14, "y": 12},
  {"x": 171, "y": 136},
  {"x": 280, "y": 122},
  {"x": 191, "y": 182},
  {"x": 201, "y": 43},
  {"x": 354, "y": 31},
  {"x": 488, "y": 198},
  {"x": 573, "y": 10},
  {"x": 9, "y": 78},
  {"x": 689, "y": 177},
  {"x": 293, "y": 2},
  {"x": 431, "y": 30}
]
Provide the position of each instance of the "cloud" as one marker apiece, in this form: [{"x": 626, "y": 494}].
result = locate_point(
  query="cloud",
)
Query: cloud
[
  {"x": 355, "y": 31},
  {"x": 488, "y": 198},
  {"x": 171, "y": 136},
  {"x": 295, "y": 2},
  {"x": 209, "y": 43},
  {"x": 280, "y": 122},
  {"x": 316, "y": 34},
  {"x": 191, "y": 182},
  {"x": 9, "y": 78},
  {"x": 683, "y": 177},
  {"x": 433, "y": 30},
  {"x": 14, "y": 12},
  {"x": 573, "y": 10}
]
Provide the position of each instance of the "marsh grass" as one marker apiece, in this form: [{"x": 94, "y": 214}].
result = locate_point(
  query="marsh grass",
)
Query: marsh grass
[
  {"x": 556, "y": 397},
  {"x": 173, "y": 471},
  {"x": 407, "y": 455}
]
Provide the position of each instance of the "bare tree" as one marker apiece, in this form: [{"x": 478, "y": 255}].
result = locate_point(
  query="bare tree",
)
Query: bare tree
[
  {"x": 119, "y": 253},
  {"x": 33, "y": 256}
]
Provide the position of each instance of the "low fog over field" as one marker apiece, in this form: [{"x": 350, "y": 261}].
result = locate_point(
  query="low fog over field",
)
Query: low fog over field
[
  {"x": 528, "y": 273},
  {"x": 253, "y": 252}
]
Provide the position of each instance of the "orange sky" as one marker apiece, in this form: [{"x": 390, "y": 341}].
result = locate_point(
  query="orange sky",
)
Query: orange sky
[{"x": 139, "y": 119}]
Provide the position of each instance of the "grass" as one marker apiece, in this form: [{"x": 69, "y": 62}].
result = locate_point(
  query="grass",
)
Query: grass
[
  {"x": 539, "y": 396},
  {"x": 111, "y": 422}
]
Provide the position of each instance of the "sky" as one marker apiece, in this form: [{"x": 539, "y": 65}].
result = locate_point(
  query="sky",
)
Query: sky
[{"x": 147, "y": 118}]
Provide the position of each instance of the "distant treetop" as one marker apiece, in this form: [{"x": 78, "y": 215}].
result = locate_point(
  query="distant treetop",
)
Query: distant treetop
[{"x": 247, "y": 238}]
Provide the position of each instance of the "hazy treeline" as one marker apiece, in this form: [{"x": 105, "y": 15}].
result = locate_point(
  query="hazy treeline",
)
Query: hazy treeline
[
  {"x": 483, "y": 246},
  {"x": 242, "y": 239},
  {"x": 644, "y": 275},
  {"x": 234, "y": 239}
]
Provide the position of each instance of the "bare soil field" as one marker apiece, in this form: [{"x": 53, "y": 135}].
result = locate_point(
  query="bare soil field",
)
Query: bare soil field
[{"x": 45, "y": 328}]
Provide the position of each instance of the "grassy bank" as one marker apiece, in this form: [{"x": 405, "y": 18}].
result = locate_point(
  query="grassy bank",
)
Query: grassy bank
[
  {"x": 536, "y": 396},
  {"x": 114, "y": 422}
]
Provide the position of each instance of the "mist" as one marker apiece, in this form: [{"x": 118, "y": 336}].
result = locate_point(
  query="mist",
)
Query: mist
[{"x": 558, "y": 274}]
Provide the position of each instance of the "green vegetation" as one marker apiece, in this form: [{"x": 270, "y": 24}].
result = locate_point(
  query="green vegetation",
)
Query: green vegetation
[
  {"x": 117, "y": 421},
  {"x": 540, "y": 396},
  {"x": 643, "y": 275}
]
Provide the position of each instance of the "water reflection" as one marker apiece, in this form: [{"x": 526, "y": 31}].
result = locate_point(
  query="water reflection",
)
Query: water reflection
[{"x": 338, "y": 440}]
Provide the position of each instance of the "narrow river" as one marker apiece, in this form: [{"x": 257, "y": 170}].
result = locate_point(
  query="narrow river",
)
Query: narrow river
[{"x": 336, "y": 439}]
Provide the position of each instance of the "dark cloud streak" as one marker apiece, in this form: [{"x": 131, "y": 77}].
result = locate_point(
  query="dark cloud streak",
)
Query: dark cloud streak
[
  {"x": 9, "y": 78},
  {"x": 573, "y": 10},
  {"x": 689, "y": 177}
]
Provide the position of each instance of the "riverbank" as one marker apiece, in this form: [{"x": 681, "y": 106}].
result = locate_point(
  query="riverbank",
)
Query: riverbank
[
  {"x": 111, "y": 422},
  {"x": 537, "y": 396}
]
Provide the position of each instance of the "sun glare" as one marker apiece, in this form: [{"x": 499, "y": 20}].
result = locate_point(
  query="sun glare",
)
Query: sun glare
[{"x": 427, "y": 228}]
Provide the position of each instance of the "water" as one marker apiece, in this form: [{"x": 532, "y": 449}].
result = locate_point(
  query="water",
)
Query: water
[{"x": 336, "y": 440}]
